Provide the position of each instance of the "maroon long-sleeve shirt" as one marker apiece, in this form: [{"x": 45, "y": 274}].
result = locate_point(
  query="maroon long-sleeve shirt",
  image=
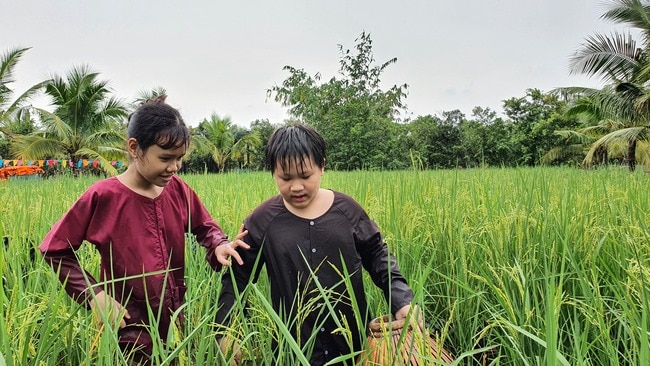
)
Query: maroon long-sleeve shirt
[{"x": 141, "y": 240}]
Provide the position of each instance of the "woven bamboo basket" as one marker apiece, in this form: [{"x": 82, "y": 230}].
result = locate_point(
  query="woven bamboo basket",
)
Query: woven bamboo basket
[{"x": 395, "y": 342}]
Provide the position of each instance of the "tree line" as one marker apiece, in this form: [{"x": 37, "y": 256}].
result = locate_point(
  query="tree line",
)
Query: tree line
[{"x": 362, "y": 121}]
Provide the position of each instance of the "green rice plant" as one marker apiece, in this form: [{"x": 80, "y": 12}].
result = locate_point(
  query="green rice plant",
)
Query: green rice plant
[{"x": 526, "y": 266}]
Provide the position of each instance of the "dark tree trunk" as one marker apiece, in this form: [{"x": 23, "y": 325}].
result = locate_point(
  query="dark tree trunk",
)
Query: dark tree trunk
[
  {"x": 601, "y": 155},
  {"x": 631, "y": 155}
]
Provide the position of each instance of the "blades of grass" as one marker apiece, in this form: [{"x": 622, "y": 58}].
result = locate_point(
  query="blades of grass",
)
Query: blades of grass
[
  {"x": 288, "y": 337},
  {"x": 539, "y": 341}
]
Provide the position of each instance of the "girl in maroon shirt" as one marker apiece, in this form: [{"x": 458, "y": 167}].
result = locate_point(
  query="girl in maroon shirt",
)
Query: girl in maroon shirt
[{"x": 137, "y": 221}]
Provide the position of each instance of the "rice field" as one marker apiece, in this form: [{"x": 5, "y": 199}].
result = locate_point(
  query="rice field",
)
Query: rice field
[{"x": 530, "y": 266}]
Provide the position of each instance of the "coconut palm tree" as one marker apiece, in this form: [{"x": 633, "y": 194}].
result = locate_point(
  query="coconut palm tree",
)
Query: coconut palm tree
[
  {"x": 15, "y": 115},
  {"x": 593, "y": 108},
  {"x": 623, "y": 63},
  {"x": 218, "y": 136},
  {"x": 86, "y": 123}
]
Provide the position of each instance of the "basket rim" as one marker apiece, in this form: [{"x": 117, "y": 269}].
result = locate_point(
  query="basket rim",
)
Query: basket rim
[{"x": 385, "y": 322}]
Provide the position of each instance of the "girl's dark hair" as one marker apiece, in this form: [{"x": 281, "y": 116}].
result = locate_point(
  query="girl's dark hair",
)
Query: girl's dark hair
[
  {"x": 294, "y": 143},
  {"x": 157, "y": 123}
]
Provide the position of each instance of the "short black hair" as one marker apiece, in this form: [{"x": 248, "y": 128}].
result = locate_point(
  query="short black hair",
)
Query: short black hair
[
  {"x": 294, "y": 142},
  {"x": 157, "y": 123}
]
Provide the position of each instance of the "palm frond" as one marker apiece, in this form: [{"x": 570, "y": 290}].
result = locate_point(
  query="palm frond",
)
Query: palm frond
[
  {"x": 613, "y": 58},
  {"x": 633, "y": 13},
  {"x": 200, "y": 143},
  {"x": 625, "y": 134},
  {"x": 252, "y": 139},
  {"x": 643, "y": 153},
  {"x": 642, "y": 107},
  {"x": 112, "y": 136},
  {"x": 145, "y": 95},
  {"x": 619, "y": 105},
  {"x": 8, "y": 62},
  {"x": 105, "y": 163},
  {"x": 609, "y": 104},
  {"x": 575, "y": 136},
  {"x": 112, "y": 152},
  {"x": 83, "y": 101},
  {"x": 562, "y": 152},
  {"x": 572, "y": 92},
  {"x": 602, "y": 128},
  {"x": 114, "y": 108},
  {"x": 57, "y": 89},
  {"x": 27, "y": 95},
  {"x": 615, "y": 150},
  {"x": 12, "y": 112},
  {"x": 644, "y": 72},
  {"x": 54, "y": 125},
  {"x": 34, "y": 147}
]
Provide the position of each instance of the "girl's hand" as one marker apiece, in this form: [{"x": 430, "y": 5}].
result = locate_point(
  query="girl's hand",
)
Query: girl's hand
[
  {"x": 224, "y": 252},
  {"x": 417, "y": 317},
  {"x": 230, "y": 348},
  {"x": 115, "y": 312},
  {"x": 402, "y": 312}
]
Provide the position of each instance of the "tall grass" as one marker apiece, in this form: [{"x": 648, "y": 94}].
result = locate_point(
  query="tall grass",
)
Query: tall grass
[{"x": 544, "y": 266}]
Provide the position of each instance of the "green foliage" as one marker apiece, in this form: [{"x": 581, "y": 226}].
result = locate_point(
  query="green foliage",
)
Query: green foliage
[
  {"x": 199, "y": 162},
  {"x": 263, "y": 128},
  {"x": 4, "y": 147},
  {"x": 15, "y": 115},
  {"x": 352, "y": 112},
  {"x": 533, "y": 120},
  {"x": 358, "y": 118},
  {"x": 623, "y": 63},
  {"x": 145, "y": 95},
  {"x": 224, "y": 142},
  {"x": 484, "y": 140},
  {"x": 87, "y": 122},
  {"x": 437, "y": 140},
  {"x": 550, "y": 268},
  {"x": 358, "y": 121}
]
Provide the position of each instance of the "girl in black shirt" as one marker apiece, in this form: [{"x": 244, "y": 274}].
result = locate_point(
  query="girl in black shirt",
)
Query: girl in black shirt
[{"x": 310, "y": 238}]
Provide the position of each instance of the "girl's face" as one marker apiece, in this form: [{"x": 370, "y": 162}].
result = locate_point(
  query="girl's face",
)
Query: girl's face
[
  {"x": 157, "y": 165},
  {"x": 300, "y": 184}
]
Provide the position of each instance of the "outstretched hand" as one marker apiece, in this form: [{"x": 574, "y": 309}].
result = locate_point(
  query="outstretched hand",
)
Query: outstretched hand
[
  {"x": 226, "y": 251},
  {"x": 115, "y": 312}
]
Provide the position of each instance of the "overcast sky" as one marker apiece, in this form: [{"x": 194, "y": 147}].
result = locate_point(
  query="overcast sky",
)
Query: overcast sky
[{"x": 221, "y": 56}]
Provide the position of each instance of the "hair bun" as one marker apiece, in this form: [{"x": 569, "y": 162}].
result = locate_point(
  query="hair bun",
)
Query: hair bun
[{"x": 158, "y": 99}]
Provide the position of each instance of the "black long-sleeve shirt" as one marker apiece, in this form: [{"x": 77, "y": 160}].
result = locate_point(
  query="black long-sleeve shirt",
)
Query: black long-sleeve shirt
[{"x": 329, "y": 250}]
